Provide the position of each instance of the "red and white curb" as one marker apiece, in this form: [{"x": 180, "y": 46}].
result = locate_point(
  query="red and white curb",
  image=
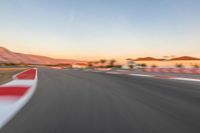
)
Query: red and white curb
[
  {"x": 15, "y": 94},
  {"x": 174, "y": 70},
  {"x": 166, "y": 77},
  {"x": 123, "y": 72}
]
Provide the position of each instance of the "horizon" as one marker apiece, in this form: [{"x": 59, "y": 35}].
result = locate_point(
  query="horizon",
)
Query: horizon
[
  {"x": 118, "y": 61},
  {"x": 93, "y": 30}
]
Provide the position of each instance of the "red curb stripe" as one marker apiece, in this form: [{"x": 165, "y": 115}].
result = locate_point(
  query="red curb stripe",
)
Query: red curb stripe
[
  {"x": 27, "y": 75},
  {"x": 13, "y": 90}
]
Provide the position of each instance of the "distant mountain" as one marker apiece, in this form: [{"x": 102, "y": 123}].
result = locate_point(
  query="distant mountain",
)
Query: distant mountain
[
  {"x": 185, "y": 58},
  {"x": 182, "y": 58},
  {"x": 7, "y": 56},
  {"x": 147, "y": 59}
]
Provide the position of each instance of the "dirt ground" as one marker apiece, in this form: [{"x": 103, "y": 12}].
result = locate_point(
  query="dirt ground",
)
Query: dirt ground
[{"x": 7, "y": 73}]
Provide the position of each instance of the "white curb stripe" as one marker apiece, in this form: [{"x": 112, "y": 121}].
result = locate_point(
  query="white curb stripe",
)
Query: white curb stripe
[{"x": 20, "y": 83}]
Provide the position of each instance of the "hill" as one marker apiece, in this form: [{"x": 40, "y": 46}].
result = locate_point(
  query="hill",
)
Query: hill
[{"x": 7, "y": 56}]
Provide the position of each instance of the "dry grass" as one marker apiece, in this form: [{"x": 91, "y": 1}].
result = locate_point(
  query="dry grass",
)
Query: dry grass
[{"x": 7, "y": 73}]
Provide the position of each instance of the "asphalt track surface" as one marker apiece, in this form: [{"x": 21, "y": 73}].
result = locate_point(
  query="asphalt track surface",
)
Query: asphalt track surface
[{"x": 68, "y": 101}]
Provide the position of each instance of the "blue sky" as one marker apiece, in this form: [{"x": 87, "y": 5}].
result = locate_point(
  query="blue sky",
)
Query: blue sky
[{"x": 93, "y": 29}]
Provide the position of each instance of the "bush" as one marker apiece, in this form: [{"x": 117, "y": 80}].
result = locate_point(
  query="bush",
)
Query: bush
[
  {"x": 154, "y": 66},
  {"x": 143, "y": 65},
  {"x": 196, "y": 66},
  {"x": 179, "y": 65}
]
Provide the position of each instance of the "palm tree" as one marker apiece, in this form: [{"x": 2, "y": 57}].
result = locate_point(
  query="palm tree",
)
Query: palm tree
[
  {"x": 143, "y": 65},
  {"x": 90, "y": 64},
  {"x": 102, "y": 61},
  {"x": 112, "y": 62}
]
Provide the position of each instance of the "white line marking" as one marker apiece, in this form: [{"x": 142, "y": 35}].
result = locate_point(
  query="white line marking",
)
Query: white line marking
[
  {"x": 141, "y": 75},
  {"x": 186, "y": 79},
  {"x": 113, "y": 72}
]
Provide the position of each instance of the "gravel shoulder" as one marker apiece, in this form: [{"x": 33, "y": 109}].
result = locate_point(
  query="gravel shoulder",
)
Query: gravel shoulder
[{"x": 7, "y": 73}]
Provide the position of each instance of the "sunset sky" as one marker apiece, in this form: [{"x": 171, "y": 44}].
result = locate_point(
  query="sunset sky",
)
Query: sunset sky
[{"x": 94, "y": 29}]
